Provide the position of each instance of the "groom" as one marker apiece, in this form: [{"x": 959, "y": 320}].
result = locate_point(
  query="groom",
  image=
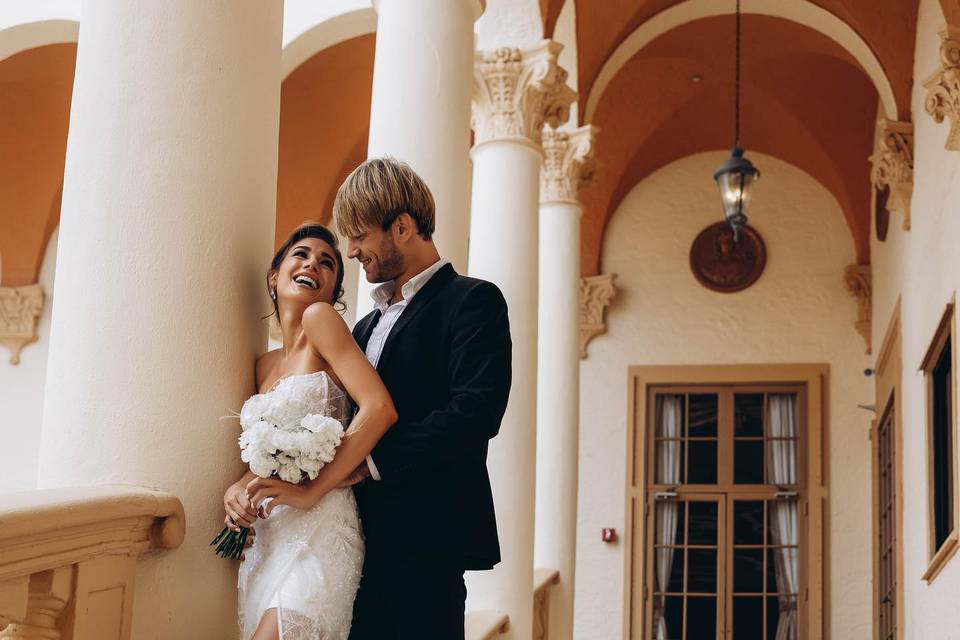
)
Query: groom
[{"x": 441, "y": 343}]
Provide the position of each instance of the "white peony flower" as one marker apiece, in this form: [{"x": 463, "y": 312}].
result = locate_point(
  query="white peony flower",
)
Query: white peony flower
[{"x": 253, "y": 410}]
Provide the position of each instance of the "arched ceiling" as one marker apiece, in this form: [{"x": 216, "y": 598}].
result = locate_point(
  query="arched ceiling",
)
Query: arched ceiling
[
  {"x": 805, "y": 100},
  {"x": 324, "y": 119},
  {"x": 35, "y": 92},
  {"x": 887, "y": 26}
]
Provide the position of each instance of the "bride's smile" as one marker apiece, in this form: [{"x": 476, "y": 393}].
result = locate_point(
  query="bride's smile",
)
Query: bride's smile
[{"x": 308, "y": 273}]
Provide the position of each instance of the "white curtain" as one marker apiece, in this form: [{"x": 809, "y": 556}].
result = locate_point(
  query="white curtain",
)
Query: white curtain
[
  {"x": 669, "y": 425},
  {"x": 782, "y": 470}
]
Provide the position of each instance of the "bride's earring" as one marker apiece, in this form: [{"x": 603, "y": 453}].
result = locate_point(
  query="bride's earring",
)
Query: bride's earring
[{"x": 273, "y": 294}]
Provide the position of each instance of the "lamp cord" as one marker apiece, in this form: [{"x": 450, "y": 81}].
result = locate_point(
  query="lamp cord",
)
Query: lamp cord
[{"x": 736, "y": 100}]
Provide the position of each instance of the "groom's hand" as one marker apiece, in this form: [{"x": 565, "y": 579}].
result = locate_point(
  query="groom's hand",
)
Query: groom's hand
[
  {"x": 240, "y": 511},
  {"x": 359, "y": 474}
]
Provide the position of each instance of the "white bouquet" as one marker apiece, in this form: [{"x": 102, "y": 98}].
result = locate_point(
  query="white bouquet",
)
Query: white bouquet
[{"x": 274, "y": 442}]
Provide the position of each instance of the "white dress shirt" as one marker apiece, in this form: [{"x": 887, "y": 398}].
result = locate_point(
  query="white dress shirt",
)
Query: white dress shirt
[{"x": 389, "y": 314}]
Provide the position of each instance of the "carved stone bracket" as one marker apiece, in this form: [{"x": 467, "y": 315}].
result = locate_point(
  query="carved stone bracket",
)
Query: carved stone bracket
[
  {"x": 516, "y": 91},
  {"x": 20, "y": 309},
  {"x": 569, "y": 164},
  {"x": 943, "y": 87},
  {"x": 596, "y": 292},
  {"x": 859, "y": 283},
  {"x": 892, "y": 163}
]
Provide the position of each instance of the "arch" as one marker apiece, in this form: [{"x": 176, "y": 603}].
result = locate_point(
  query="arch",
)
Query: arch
[
  {"x": 802, "y": 12},
  {"x": 17, "y": 38},
  {"x": 325, "y": 34}
]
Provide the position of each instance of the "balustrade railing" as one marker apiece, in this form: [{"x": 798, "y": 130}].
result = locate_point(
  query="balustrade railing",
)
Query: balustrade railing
[{"x": 68, "y": 558}]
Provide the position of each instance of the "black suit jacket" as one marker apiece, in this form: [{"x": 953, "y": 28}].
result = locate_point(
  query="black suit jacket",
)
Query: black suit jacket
[{"x": 446, "y": 363}]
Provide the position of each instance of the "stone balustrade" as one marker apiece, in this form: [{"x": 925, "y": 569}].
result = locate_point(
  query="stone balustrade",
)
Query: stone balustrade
[
  {"x": 487, "y": 625},
  {"x": 68, "y": 558}
]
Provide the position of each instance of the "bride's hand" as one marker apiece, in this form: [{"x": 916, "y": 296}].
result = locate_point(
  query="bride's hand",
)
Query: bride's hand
[
  {"x": 240, "y": 513},
  {"x": 280, "y": 492}
]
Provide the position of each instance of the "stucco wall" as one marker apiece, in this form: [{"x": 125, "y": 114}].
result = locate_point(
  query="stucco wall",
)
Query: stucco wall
[
  {"x": 927, "y": 258},
  {"x": 798, "y": 311},
  {"x": 21, "y": 393}
]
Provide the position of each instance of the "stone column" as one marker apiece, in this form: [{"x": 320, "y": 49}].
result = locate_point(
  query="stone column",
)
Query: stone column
[
  {"x": 166, "y": 234},
  {"x": 515, "y": 92},
  {"x": 420, "y": 109},
  {"x": 568, "y": 166}
]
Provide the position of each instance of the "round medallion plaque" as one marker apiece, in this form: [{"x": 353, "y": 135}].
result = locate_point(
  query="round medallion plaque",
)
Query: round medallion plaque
[{"x": 721, "y": 265}]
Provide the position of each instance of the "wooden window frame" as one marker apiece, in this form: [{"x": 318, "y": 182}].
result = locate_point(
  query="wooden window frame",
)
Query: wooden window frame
[
  {"x": 939, "y": 557},
  {"x": 814, "y": 379},
  {"x": 888, "y": 374}
]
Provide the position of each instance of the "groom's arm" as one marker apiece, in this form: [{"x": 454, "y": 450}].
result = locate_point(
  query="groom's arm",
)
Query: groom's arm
[{"x": 479, "y": 371}]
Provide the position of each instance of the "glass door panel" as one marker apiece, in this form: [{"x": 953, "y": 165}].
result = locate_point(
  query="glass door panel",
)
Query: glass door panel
[
  {"x": 765, "y": 561},
  {"x": 687, "y": 568}
]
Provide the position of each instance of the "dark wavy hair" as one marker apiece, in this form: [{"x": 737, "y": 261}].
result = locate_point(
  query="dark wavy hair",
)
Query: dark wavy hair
[{"x": 310, "y": 229}]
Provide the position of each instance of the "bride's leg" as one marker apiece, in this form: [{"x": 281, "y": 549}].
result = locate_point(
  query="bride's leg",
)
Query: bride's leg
[{"x": 269, "y": 627}]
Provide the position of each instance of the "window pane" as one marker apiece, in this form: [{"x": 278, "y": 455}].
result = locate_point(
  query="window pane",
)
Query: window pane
[
  {"x": 669, "y": 523},
  {"x": 701, "y": 618},
  {"x": 674, "y": 617},
  {"x": 670, "y": 459},
  {"x": 748, "y": 415},
  {"x": 703, "y": 523},
  {"x": 670, "y": 415},
  {"x": 942, "y": 446},
  {"x": 748, "y": 522},
  {"x": 748, "y": 462},
  {"x": 703, "y": 462},
  {"x": 747, "y": 618},
  {"x": 748, "y": 570},
  {"x": 670, "y": 560},
  {"x": 703, "y": 415},
  {"x": 703, "y": 571},
  {"x": 781, "y": 617}
]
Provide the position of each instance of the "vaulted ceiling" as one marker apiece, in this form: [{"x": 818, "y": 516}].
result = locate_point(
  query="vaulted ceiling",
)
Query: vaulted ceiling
[
  {"x": 35, "y": 90},
  {"x": 324, "y": 120},
  {"x": 806, "y": 99}
]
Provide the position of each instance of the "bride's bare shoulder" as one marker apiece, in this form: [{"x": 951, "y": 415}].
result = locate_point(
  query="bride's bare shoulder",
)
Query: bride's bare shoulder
[{"x": 265, "y": 363}]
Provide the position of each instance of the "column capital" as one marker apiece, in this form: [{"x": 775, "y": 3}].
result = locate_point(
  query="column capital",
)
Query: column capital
[
  {"x": 596, "y": 292},
  {"x": 516, "y": 91},
  {"x": 892, "y": 162},
  {"x": 569, "y": 164},
  {"x": 943, "y": 87},
  {"x": 859, "y": 281},
  {"x": 20, "y": 309}
]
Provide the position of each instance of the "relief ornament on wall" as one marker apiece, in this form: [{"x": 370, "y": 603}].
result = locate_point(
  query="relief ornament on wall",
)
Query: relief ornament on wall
[{"x": 725, "y": 266}]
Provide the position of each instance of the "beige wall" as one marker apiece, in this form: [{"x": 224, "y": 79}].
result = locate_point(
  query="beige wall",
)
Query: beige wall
[
  {"x": 927, "y": 258},
  {"x": 798, "y": 311}
]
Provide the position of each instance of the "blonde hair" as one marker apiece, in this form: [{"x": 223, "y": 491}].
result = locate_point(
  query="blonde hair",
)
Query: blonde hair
[{"x": 378, "y": 191}]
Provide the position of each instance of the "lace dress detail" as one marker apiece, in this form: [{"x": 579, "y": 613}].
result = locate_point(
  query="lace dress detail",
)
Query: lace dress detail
[{"x": 305, "y": 563}]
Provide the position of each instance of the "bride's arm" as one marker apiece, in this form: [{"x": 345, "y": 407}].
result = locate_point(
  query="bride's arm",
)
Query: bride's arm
[
  {"x": 331, "y": 339},
  {"x": 240, "y": 513}
]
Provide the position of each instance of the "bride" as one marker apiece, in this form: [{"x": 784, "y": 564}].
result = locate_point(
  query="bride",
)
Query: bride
[{"x": 300, "y": 578}]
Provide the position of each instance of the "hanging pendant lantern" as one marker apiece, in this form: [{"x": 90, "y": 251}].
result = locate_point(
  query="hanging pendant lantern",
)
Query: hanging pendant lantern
[{"x": 736, "y": 176}]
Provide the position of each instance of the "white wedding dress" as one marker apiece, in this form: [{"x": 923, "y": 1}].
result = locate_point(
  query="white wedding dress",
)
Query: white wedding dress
[{"x": 305, "y": 563}]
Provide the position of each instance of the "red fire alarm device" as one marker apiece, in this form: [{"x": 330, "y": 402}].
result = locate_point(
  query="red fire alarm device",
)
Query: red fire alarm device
[{"x": 609, "y": 535}]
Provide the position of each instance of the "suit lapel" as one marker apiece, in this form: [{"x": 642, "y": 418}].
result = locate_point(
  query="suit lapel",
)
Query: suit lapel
[
  {"x": 364, "y": 329},
  {"x": 425, "y": 295}
]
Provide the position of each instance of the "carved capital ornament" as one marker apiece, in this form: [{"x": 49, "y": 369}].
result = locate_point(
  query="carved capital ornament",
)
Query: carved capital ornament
[
  {"x": 568, "y": 163},
  {"x": 892, "y": 165},
  {"x": 859, "y": 283},
  {"x": 596, "y": 292},
  {"x": 943, "y": 87},
  {"x": 516, "y": 91},
  {"x": 20, "y": 309}
]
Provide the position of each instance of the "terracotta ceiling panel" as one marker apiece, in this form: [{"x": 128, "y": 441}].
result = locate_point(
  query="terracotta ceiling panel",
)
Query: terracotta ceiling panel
[
  {"x": 324, "y": 118},
  {"x": 887, "y": 26},
  {"x": 804, "y": 101},
  {"x": 35, "y": 93}
]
